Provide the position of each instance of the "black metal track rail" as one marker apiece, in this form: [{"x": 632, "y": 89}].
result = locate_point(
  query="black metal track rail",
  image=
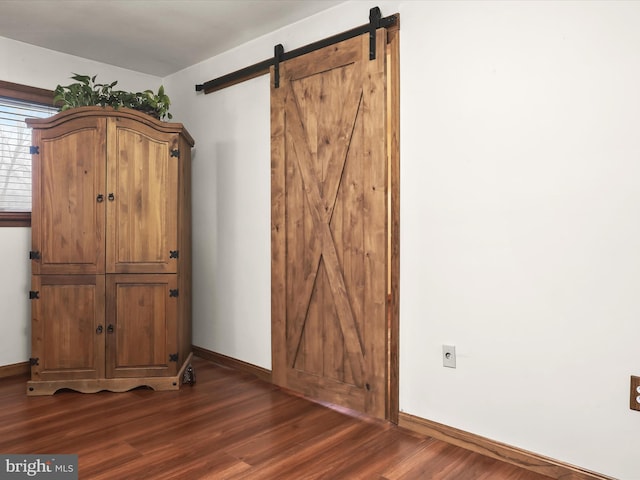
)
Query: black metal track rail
[{"x": 261, "y": 68}]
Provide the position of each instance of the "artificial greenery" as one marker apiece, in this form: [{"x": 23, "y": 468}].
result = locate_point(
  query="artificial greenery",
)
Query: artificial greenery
[{"x": 86, "y": 92}]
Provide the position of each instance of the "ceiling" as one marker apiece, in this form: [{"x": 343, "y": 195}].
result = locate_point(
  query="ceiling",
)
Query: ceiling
[{"x": 158, "y": 37}]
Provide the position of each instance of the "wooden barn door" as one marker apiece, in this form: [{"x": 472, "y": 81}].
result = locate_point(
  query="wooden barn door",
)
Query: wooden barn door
[{"x": 330, "y": 226}]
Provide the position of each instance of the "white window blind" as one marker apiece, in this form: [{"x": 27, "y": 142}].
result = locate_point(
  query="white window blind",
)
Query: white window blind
[{"x": 15, "y": 159}]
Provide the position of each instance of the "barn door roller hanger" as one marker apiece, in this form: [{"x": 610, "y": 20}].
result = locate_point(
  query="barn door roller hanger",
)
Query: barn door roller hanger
[{"x": 376, "y": 20}]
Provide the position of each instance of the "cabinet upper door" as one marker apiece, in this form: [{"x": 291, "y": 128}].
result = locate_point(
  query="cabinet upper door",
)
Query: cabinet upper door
[
  {"x": 68, "y": 198},
  {"x": 141, "y": 198}
]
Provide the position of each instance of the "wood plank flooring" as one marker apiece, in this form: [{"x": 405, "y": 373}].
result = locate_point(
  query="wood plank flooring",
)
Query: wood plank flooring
[{"x": 229, "y": 425}]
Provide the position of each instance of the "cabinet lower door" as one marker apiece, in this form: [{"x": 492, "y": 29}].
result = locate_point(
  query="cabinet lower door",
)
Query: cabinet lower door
[
  {"x": 67, "y": 327},
  {"x": 142, "y": 332}
]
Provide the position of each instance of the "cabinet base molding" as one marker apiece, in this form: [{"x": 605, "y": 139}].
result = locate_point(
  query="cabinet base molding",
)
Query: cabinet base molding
[
  {"x": 39, "y": 388},
  {"x": 491, "y": 448}
]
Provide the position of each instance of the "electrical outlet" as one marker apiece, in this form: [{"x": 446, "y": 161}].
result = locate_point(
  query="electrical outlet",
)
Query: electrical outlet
[
  {"x": 634, "y": 401},
  {"x": 449, "y": 356}
]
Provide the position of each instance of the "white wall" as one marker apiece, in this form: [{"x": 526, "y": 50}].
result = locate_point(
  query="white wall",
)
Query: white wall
[
  {"x": 231, "y": 210},
  {"x": 520, "y": 223},
  {"x": 519, "y": 216},
  {"x": 15, "y": 329},
  {"x": 38, "y": 67}
]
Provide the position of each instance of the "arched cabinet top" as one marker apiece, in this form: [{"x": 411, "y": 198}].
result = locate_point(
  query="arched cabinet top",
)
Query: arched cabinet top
[{"x": 84, "y": 112}]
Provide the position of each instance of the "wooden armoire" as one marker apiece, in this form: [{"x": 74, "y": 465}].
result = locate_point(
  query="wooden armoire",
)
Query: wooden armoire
[{"x": 111, "y": 252}]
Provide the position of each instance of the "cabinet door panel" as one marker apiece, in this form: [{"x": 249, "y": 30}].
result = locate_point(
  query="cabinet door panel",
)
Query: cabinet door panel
[
  {"x": 143, "y": 312},
  {"x": 142, "y": 186},
  {"x": 67, "y": 327},
  {"x": 68, "y": 218}
]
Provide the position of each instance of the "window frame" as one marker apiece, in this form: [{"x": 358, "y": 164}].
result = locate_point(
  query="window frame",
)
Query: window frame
[{"x": 29, "y": 94}]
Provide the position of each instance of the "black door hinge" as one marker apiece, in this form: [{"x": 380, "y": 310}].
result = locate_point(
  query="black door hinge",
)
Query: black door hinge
[
  {"x": 173, "y": 253},
  {"x": 173, "y": 293},
  {"x": 34, "y": 361},
  {"x": 173, "y": 357},
  {"x": 34, "y": 255},
  {"x": 34, "y": 294},
  {"x": 175, "y": 153},
  {"x": 34, "y": 150}
]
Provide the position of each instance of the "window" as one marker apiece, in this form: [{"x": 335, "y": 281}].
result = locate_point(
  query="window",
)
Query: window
[{"x": 18, "y": 102}]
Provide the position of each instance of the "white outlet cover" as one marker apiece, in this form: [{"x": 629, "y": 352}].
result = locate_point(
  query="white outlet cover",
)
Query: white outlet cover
[{"x": 449, "y": 356}]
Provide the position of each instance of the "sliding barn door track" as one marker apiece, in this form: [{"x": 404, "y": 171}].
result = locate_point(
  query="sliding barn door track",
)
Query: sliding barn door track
[{"x": 376, "y": 20}]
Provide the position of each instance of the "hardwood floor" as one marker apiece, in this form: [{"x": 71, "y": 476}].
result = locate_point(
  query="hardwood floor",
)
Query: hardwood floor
[{"x": 229, "y": 425}]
